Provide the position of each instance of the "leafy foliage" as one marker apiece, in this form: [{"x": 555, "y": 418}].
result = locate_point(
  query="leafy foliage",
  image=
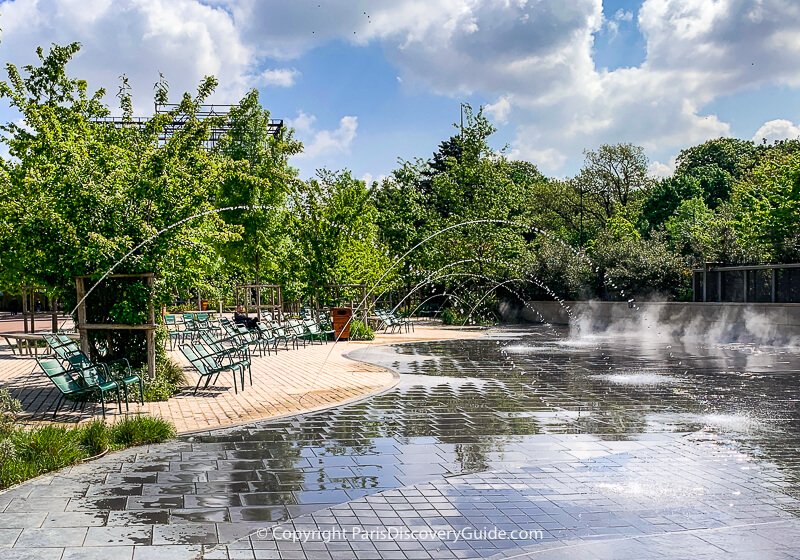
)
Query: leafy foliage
[
  {"x": 360, "y": 331},
  {"x": 26, "y": 453},
  {"x": 76, "y": 195}
]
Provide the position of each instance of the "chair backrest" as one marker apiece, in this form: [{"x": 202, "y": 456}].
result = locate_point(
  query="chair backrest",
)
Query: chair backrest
[
  {"x": 211, "y": 341},
  {"x": 169, "y": 320},
  {"x": 51, "y": 340},
  {"x": 295, "y": 327},
  {"x": 70, "y": 342},
  {"x": 207, "y": 356},
  {"x": 266, "y": 331},
  {"x": 197, "y": 362},
  {"x": 91, "y": 373},
  {"x": 60, "y": 377},
  {"x": 63, "y": 346}
]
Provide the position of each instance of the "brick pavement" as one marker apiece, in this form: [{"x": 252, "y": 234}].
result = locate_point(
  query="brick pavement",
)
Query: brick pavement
[{"x": 291, "y": 381}]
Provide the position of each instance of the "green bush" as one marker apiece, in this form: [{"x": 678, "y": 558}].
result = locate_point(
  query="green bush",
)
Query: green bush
[
  {"x": 360, "y": 331},
  {"x": 25, "y": 454},
  {"x": 8, "y": 451},
  {"x": 9, "y": 408},
  {"x": 169, "y": 379},
  {"x": 47, "y": 448},
  {"x": 95, "y": 437},
  {"x": 451, "y": 317},
  {"x": 141, "y": 430}
]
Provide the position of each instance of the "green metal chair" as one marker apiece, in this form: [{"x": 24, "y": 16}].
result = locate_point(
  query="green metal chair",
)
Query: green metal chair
[
  {"x": 78, "y": 383},
  {"x": 70, "y": 354},
  {"x": 314, "y": 331},
  {"x": 208, "y": 365},
  {"x": 175, "y": 328}
]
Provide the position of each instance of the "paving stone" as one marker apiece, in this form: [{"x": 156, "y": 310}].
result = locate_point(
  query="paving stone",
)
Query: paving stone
[
  {"x": 22, "y": 520},
  {"x": 17, "y": 553},
  {"x": 47, "y": 537},
  {"x": 185, "y": 533},
  {"x": 76, "y": 519},
  {"x": 119, "y": 536},
  {"x": 98, "y": 553},
  {"x": 168, "y": 552}
]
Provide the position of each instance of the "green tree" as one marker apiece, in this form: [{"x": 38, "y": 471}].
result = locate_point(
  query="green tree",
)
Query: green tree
[
  {"x": 766, "y": 204},
  {"x": 336, "y": 233},
  {"x": 716, "y": 165},
  {"x": 611, "y": 177},
  {"x": 256, "y": 174},
  {"x": 79, "y": 194}
]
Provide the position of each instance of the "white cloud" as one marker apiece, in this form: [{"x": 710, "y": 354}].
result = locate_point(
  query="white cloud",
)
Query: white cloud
[
  {"x": 369, "y": 178},
  {"x": 184, "y": 39},
  {"x": 279, "y": 77},
  {"x": 778, "y": 129},
  {"x": 500, "y": 109},
  {"x": 620, "y": 16},
  {"x": 303, "y": 123},
  {"x": 533, "y": 58},
  {"x": 659, "y": 169},
  {"x": 548, "y": 160},
  {"x": 623, "y": 15},
  {"x": 324, "y": 143}
]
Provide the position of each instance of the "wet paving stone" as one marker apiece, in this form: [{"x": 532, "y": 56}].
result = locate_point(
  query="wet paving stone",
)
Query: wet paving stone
[{"x": 610, "y": 448}]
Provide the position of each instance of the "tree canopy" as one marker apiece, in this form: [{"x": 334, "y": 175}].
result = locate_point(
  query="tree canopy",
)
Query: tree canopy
[{"x": 78, "y": 193}]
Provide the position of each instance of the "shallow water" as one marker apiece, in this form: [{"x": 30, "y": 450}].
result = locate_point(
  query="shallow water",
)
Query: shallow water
[
  {"x": 465, "y": 401},
  {"x": 586, "y": 440}
]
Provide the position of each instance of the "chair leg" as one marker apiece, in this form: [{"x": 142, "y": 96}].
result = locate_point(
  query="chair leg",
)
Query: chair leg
[
  {"x": 58, "y": 405},
  {"x": 103, "y": 404},
  {"x": 198, "y": 385},
  {"x": 127, "y": 407},
  {"x": 141, "y": 392}
]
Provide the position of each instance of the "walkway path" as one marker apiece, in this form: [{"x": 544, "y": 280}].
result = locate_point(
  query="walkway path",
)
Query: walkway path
[
  {"x": 291, "y": 381},
  {"x": 574, "y": 449}
]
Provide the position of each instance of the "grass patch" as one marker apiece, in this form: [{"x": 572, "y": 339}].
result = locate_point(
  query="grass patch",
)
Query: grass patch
[
  {"x": 360, "y": 331},
  {"x": 141, "y": 430},
  {"x": 169, "y": 380},
  {"x": 25, "y": 454}
]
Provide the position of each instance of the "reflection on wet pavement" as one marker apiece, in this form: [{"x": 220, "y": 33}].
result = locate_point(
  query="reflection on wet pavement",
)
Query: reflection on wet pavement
[{"x": 597, "y": 448}]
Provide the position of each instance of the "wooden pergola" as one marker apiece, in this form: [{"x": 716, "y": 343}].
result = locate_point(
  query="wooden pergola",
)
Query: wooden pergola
[
  {"x": 252, "y": 296},
  {"x": 149, "y": 328},
  {"x": 335, "y": 292}
]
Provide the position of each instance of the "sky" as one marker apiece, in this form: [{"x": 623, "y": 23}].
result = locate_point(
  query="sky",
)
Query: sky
[{"x": 365, "y": 83}]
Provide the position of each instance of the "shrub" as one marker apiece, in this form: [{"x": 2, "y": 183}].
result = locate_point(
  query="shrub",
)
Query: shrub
[
  {"x": 48, "y": 448},
  {"x": 25, "y": 454},
  {"x": 8, "y": 451},
  {"x": 451, "y": 317},
  {"x": 360, "y": 331},
  {"x": 140, "y": 430},
  {"x": 169, "y": 380},
  {"x": 95, "y": 437},
  {"x": 9, "y": 408}
]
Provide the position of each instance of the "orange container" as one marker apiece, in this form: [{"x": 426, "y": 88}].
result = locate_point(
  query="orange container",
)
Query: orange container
[{"x": 341, "y": 322}]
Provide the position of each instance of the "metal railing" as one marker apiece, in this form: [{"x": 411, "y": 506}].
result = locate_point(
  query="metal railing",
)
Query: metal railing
[{"x": 764, "y": 283}]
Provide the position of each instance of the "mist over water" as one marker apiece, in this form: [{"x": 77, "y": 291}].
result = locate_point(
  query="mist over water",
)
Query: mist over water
[{"x": 689, "y": 324}]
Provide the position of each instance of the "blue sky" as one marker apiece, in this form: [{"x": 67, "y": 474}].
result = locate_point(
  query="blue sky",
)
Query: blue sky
[{"x": 366, "y": 82}]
